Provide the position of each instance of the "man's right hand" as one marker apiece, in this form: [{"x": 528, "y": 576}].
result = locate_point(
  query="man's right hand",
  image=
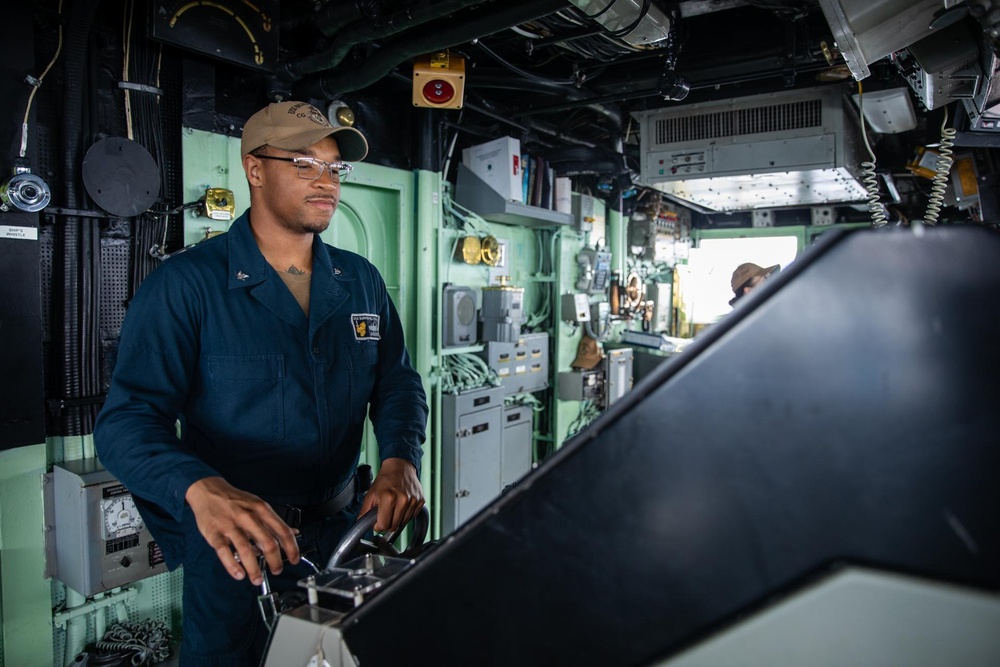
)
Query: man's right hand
[{"x": 230, "y": 519}]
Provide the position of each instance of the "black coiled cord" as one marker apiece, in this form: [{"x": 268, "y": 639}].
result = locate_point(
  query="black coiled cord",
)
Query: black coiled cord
[{"x": 149, "y": 639}]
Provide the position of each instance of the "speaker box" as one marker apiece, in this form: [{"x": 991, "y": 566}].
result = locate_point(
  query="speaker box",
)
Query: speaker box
[
  {"x": 439, "y": 81},
  {"x": 459, "y": 310}
]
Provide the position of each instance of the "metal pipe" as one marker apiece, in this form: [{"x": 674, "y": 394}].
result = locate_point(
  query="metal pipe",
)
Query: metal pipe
[
  {"x": 77, "y": 605},
  {"x": 458, "y": 31},
  {"x": 373, "y": 30},
  {"x": 76, "y": 628},
  {"x": 612, "y": 113}
]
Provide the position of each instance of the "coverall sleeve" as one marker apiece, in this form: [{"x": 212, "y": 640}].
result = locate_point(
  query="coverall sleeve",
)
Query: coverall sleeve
[
  {"x": 398, "y": 405},
  {"x": 136, "y": 434}
]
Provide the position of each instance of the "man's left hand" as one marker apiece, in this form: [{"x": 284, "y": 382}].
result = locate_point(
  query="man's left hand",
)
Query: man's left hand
[{"x": 397, "y": 494}]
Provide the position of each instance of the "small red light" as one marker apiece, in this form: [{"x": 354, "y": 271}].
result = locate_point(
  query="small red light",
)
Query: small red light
[{"x": 438, "y": 91}]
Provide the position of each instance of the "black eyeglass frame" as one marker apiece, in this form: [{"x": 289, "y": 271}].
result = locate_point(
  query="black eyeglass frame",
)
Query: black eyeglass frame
[{"x": 343, "y": 169}]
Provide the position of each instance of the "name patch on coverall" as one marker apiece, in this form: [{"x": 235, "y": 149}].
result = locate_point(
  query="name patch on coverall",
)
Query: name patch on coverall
[{"x": 365, "y": 326}]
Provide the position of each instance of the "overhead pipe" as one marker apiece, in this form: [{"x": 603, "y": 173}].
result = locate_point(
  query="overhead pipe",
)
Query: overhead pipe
[
  {"x": 530, "y": 125},
  {"x": 458, "y": 31},
  {"x": 373, "y": 30},
  {"x": 583, "y": 99},
  {"x": 331, "y": 19}
]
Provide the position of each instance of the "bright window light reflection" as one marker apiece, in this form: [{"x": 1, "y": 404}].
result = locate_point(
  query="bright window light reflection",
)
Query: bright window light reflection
[{"x": 705, "y": 280}]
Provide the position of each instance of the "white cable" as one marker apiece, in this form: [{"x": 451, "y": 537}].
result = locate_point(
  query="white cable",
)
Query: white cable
[
  {"x": 941, "y": 172},
  {"x": 36, "y": 83},
  {"x": 126, "y": 38},
  {"x": 868, "y": 169}
]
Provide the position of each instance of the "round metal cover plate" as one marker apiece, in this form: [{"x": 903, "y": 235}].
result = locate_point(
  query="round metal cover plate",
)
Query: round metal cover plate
[{"x": 121, "y": 176}]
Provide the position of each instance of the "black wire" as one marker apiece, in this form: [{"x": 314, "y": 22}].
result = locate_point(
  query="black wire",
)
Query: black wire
[
  {"x": 635, "y": 24},
  {"x": 600, "y": 13},
  {"x": 518, "y": 70}
]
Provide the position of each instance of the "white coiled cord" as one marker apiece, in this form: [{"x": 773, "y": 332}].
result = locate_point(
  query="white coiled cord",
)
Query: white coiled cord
[
  {"x": 868, "y": 169},
  {"x": 941, "y": 172}
]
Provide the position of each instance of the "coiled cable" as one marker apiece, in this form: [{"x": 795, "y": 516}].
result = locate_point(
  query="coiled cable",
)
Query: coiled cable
[
  {"x": 150, "y": 640},
  {"x": 941, "y": 172},
  {"x": 868, "y": 169}
]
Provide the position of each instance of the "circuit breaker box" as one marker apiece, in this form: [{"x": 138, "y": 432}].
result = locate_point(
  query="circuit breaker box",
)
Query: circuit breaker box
[
  {"x": 515, "y": 448},
  {"x": 522, "y": 365},
  {"x": 471, "y": 440},
  {"x": 97, "y": 535},
  {"x": 619, "y": 374}
]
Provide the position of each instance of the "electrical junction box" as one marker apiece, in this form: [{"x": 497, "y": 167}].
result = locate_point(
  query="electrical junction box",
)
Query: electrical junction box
[
  {"x": 618, "y": 374},
  {"x": 587, "y": 212},
  {"x": 575, "y": 308},
  {"x": 471, "y": 437},
  {"x": 96, "y": 533},
  {"x": 497, "y": 163},
  {"x": 522, "y": 366},
  {"x": 515, "y": 451},
  {"x": 459, "y": 310},
  {"x": 582, "y": 385},
  {"x": 661, "y": 294}
]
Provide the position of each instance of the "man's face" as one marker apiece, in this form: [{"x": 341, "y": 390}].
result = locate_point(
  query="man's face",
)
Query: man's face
[
  {"x": 298, "y": 204},
  {"x": 754, "y": 282}
]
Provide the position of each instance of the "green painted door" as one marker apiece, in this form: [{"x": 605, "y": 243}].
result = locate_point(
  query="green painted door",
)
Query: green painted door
[{"x": 375, "y": 220}]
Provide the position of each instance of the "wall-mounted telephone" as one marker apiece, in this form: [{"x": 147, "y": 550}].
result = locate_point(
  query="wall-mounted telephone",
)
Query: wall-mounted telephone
[{"x": 595, "y": 270}]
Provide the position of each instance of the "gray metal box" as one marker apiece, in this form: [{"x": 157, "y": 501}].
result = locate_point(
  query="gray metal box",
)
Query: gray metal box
[
  {"x": 471, "y": 439},
  {"x": 618, "y": 374},
  {"x": 522, "y": 366},
  {"x": 459, "y": 311},
  {"x": 100, "y": 541},
  {"x": 581, "y": 385},
  {"x": 515, "y": 453},
  {"x": 716, "y": 154}
]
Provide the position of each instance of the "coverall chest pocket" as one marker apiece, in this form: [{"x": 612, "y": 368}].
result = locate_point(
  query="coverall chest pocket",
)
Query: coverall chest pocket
[
  {"x": 363, "y": 360},
  {"x": 247, "y": 398}
]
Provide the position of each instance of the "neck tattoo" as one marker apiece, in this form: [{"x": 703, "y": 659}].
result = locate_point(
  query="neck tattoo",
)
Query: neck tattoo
[{"x": 296, "y": 271}]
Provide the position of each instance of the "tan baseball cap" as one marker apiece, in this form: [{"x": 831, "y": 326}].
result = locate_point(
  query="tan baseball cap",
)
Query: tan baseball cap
[
  {"x": 746, "y": 272},
  {"x": 588, "y": 354},
  {"x": 296, "y": 125}
]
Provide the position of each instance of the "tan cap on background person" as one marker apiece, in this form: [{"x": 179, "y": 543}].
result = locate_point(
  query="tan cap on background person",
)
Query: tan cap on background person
[
  {"x": 747, "y": 272},
  {"x": 296, "y": 125},
  {"x": 588, "y": 354}
]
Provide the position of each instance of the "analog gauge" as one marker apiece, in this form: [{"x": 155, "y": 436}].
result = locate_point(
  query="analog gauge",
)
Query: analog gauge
[{"x": 121, "y": 517}]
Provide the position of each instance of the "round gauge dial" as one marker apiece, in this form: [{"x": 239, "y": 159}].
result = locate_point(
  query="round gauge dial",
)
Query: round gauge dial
[{"x": 121, "y": 517}]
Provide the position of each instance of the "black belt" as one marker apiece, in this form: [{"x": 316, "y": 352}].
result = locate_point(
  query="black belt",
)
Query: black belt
[{"x": 297, "y": 515}]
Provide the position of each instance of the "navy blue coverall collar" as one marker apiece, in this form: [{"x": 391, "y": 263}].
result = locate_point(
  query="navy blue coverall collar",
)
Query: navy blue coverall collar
[{"x": 249, "y": 270}]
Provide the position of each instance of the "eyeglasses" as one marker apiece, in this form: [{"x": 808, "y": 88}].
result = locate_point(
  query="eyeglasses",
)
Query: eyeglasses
[{"x": 310, "y": 168}]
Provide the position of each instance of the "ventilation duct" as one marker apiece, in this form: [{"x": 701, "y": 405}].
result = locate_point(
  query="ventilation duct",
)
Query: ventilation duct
[{"x": 794, "y": 148}]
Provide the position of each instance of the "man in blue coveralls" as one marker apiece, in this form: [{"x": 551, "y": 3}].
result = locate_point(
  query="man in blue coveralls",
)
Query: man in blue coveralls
[{"x": 270, "y": 347}]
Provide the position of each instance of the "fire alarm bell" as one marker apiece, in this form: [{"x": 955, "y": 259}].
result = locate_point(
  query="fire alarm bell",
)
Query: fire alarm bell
[{"x": 439, "y": 81}]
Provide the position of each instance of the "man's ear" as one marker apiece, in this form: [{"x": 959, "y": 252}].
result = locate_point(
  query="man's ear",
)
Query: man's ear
[{"x": 252, "y": 168}]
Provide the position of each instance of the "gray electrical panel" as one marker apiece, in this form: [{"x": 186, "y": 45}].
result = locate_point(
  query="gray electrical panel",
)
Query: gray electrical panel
[
  {"x": 522, "y": 366},
  {"x": 661, "y": 294},
  {"x": 471, "y": 437},
  {"x": 515, "y": 451},
  {"x": 604, "y": 385},
  {"x": 619, "y": 374},
  {"x": 97, "y": 536}
]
